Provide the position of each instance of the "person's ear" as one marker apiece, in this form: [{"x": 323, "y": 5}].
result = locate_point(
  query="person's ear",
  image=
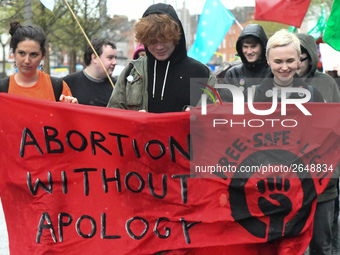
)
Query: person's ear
[{"x": 93, "y": 58}]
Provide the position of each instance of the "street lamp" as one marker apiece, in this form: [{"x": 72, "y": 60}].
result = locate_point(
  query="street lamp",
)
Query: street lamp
[{"x": 4, "y": 38}]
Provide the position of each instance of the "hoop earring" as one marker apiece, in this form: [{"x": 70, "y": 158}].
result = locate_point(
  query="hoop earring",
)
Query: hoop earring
[
  {"x": 15, "y": 65},
  {"x": 42, "y": 67}
]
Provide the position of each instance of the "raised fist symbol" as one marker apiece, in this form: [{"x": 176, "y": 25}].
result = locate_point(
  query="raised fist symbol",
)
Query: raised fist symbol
[
  {"x": 277, "y": 207},
  {"x": 273, "y": 199}
]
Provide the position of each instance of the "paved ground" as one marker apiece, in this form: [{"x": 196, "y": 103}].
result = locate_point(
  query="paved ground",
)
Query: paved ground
[
  {"x": 3, "y": 234},
  {"x": 4, "y": 237}
]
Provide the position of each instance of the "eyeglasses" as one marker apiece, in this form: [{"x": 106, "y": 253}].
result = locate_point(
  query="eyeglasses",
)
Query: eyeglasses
[{"x": 303, "y": 59}]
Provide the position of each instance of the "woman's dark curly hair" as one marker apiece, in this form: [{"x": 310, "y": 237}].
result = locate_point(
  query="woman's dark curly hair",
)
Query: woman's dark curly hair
[{"x": 21, "y": 33}]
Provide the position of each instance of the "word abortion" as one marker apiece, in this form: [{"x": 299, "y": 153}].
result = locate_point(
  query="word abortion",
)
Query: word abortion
[{"x": 79, "y": 142}]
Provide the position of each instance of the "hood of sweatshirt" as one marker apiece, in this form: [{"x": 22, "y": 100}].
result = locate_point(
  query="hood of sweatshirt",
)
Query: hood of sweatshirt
[
  {"x": 308, "y": 42},
  {"x": 180, "y": 50},
  {"x": 256, "y": 31},
  {"x": 139, "y": 47}
]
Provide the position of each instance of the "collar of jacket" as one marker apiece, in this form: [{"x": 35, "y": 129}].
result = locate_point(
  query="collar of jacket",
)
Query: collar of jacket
[{"x": 267, "y": 84}]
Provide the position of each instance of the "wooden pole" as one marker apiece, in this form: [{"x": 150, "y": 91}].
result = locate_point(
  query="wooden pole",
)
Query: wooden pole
[{"x": 87, "y": 39}]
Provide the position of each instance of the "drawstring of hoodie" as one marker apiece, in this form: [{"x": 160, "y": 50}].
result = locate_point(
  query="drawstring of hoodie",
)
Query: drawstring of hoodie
[{"x": 154, "y": 79}]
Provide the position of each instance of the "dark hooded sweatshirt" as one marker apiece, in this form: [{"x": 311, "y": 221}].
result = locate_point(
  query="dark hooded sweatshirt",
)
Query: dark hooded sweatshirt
[
  {"x": 176, "y": 76},
  {"x": 323, "y": 82},
  {"x": 330, "y": 92},
  {"x": 162, "y": 86},
  {"x": 248, "y": 74}
]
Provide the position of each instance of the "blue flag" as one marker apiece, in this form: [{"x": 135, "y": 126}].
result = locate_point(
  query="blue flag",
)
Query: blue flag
[{"x": 213, "y": 24}]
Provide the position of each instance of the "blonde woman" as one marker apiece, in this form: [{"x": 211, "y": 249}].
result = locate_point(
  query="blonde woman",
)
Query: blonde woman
[{"x": 283, "y": 56}]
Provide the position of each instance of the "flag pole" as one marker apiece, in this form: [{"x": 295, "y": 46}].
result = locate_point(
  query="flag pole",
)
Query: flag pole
[
  {"x": 238, "y": 24},
  {"x": 87, "y": 39}
]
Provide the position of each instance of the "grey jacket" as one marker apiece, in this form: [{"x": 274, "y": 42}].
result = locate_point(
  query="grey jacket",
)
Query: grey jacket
[
  {"x": 323, "y": 82},
  {"x": 130, "y": 92},
  {"x": 330, "y": 92}
]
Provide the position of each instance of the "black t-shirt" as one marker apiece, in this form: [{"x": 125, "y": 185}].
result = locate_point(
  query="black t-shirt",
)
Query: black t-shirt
[{"x": 88, "y": 90}]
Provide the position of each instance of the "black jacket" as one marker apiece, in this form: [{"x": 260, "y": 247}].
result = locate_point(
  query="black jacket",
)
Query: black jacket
[{"x": 267, "y": 84}]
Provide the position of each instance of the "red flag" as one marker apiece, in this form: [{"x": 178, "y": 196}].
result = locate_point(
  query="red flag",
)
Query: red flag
[
  {"x": 77, "y": 179},
  {"x": 287, "y": 12}
]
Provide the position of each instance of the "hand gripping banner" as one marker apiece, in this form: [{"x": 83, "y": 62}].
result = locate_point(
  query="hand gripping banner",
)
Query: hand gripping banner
[{"x": 77, "y": 179}]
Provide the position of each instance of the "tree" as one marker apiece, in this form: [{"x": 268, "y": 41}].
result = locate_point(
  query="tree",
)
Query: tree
[
  {"x": 6, "y": 14},
  {"x": 14, "y": 10},
  {"x": 60, "y": 27},
  {"x": 71, "y": 37},
  {"x": 314, "y": 9},
  {"x": 271, "y": 27}
]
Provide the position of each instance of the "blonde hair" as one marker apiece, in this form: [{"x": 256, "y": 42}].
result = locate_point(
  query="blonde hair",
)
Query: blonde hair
[{"x": 283, "y": 38}]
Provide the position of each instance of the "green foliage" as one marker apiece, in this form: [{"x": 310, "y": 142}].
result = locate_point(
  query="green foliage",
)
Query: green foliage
[
  {"x": 62, "y": 31},
  {"x": 314, "y": 9},
  {"x": 10, "y": 10},
  {"x": 271, "y": 27}
]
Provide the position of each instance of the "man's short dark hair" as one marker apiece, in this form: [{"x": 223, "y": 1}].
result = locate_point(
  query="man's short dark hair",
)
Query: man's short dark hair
[
  {"x": 251, "y": 40},
  {"x": 303, "y": 50},
  {"x": 97, "y": 44}
]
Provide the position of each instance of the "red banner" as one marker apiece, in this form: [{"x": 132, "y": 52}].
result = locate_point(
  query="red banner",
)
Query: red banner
[
  {"x": 77, "y": 179},
  {"x": 286, "y": 12}
]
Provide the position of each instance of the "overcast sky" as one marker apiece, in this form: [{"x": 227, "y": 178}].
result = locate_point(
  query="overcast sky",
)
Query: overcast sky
[{"x": 134, "y": 9}]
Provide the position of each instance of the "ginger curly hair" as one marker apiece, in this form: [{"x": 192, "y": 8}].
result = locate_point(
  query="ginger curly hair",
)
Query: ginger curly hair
[{"x": 157, "y": 28}]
